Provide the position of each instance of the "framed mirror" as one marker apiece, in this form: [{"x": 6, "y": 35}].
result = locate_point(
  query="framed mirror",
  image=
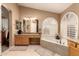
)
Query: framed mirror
[
  {"x": 30, "y": 25},
  {"x": 18, "y": 26}
]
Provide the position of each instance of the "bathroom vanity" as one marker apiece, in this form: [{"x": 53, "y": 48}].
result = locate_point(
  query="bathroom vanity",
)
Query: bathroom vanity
[
  {"x": 27, "y": 31},
  {"x": 27, "y": 39},
  {"x": 73, "y": 47}
]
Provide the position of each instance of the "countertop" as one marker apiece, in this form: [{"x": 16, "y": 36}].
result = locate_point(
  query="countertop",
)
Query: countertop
[{"x": 29, "y": 34}]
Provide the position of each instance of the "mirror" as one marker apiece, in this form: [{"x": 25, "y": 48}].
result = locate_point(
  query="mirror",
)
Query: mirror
[
  {"x": 30, "y": 25},
  {"x": 27, "y": 25},
  {"x": 18, "y": 25}
]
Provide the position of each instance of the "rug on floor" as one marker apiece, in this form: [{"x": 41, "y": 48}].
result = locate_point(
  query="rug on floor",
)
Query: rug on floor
[
  {"x": 24, "y": 48},
  {"x": 44, "y": 52}
]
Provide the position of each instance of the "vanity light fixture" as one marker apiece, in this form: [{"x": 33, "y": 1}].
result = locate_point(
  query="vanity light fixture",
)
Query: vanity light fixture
[{"x": 31, "y": 18}]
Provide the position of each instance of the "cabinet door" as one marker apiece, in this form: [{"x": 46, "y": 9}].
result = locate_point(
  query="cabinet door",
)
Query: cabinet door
[
  {"x": 17, "y": 40},
  {"x": 71, "y": 44},
  {"x": 21, "y": 40},
  {"x": 74, "y": 51},
  {"x": 24, "y": 40}
]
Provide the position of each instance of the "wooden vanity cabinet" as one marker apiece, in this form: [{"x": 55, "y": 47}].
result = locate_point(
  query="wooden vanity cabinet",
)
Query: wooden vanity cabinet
[
  {"x": 73, "y": 48},
  {"x": 21, "y": 40},
  {"x": 27, "y": 39}
]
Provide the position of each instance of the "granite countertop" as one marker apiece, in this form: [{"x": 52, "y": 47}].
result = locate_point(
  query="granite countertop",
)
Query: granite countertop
[{"x": 74, "y": 40}]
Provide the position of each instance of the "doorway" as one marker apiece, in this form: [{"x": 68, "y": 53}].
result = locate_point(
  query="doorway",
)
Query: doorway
[{"x": 4, "y": 28}]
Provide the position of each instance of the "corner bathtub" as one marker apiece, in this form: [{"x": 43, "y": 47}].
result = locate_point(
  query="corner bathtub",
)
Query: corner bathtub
[{"x": 55, "y": 45}]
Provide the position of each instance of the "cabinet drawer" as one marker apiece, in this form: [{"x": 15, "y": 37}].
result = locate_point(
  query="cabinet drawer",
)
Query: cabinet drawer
[{"x": 35, "y": 41}]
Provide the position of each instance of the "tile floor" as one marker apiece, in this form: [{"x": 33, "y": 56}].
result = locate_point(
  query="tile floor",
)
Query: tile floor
[
  {"x": 4, "y": 48},
  {"x": 31, "y": 50}
]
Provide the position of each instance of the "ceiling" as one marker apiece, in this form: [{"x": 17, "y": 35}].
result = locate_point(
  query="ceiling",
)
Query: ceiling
[{"x": 51, "y": 7}]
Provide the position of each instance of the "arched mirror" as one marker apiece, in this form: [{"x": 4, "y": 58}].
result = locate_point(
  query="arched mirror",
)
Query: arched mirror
[
  {"x": 49, "y": 28},
  {"x": 69, "y": 25}
]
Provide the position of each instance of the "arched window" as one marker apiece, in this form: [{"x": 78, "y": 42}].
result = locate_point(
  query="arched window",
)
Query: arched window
[
  {"x": 69, "y": 25},
  {"x": 63, "y": 27},
  {"x": 49, "y": 28}
]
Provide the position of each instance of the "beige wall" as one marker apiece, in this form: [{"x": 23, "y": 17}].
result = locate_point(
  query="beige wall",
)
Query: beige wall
[
  {"x": 15, "y": 15},
  {"x": 21, "y": 12},
  {"x": 73, "y": 8},
  {"x": 39, "y": 14}
]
